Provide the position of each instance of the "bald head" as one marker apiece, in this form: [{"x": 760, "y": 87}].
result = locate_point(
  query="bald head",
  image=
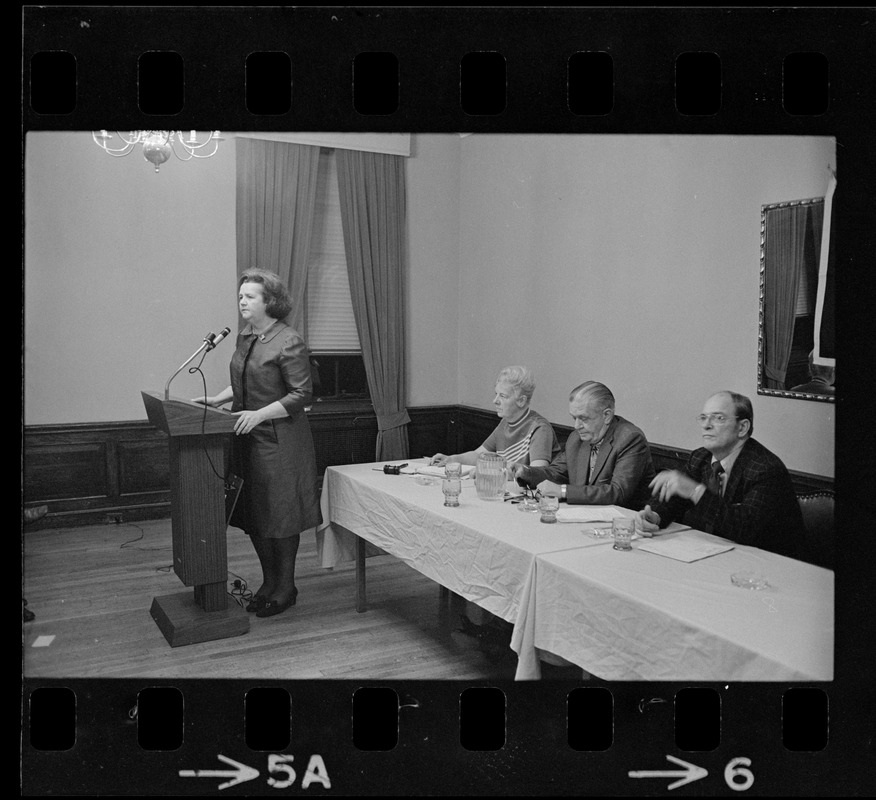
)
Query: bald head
[
  {"x": 725, "y": 423},
  {"x": 741, "y": 405}
]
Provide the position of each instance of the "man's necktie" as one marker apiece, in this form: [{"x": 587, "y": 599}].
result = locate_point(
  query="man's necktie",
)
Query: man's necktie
[
  {"x": 714, "y": 483},
  {"x": 594, "y": 451}
]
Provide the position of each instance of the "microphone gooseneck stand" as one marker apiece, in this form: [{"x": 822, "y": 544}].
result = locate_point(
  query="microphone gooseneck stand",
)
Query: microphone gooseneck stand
[{"x": 207, "y": 345}]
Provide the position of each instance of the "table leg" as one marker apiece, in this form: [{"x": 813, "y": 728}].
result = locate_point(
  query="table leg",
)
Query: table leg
[{"x": 360, "y": 575}]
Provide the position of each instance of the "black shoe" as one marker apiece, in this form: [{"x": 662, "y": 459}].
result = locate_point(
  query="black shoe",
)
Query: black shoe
[
  {"x": 468, "y": 627},
  {"x": 272, "y": 607},
  {"x": 256, "y": 604},
  {"x": 493, "y": 630}
]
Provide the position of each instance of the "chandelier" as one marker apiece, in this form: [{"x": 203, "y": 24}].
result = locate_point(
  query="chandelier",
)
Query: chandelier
[{"x": 158, "y": 145}]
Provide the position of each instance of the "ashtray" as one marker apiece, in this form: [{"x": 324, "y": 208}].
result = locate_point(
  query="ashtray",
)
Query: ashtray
[
  {"x": 598, "y": 533},
  {"x": 425, "y": 480},
  {"x": 749, "y": 580}
]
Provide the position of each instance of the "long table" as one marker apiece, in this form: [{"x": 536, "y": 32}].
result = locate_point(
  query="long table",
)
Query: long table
[
  {"x": 618, "y": 615},
  {"x": 482, "y": 550},
  {"x": 642, "y": 616}
]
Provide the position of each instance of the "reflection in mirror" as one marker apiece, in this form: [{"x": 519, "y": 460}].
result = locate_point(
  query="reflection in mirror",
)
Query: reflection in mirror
[{"x": 791, "y": 298}]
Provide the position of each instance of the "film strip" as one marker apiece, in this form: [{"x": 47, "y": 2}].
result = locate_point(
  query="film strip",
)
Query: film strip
[{"x": 490, "y": 70}]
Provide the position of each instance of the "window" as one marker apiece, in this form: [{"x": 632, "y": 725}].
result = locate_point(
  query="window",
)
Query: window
[{"x": 330, "y": 326}]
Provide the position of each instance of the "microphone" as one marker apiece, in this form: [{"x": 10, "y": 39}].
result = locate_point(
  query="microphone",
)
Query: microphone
[
  {"x": 214, "y": 340},
  {"x": 210, "y": 341}
]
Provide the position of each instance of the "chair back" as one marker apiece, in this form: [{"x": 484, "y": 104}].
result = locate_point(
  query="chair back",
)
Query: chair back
[{"x": 818, "y": 509}]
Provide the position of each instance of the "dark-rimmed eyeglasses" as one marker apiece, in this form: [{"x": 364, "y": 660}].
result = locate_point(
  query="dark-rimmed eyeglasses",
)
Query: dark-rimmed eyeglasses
[{"x": 714, "y": 419}]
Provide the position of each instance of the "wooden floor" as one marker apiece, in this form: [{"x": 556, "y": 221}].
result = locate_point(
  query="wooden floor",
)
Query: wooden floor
[{"x": 91, "y": 589}]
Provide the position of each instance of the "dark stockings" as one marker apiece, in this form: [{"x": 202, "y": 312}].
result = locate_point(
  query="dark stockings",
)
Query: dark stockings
[
  {"x": 284, "y": 552},
  {"x": 264, "y": 551}
]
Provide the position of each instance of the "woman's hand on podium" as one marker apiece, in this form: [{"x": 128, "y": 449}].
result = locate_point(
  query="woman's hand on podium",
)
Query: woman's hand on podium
[{"x": 215, "y": 400}]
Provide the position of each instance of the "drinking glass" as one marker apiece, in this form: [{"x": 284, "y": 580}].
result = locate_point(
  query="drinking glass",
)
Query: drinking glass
[
  {"x": 453, "y": 469},
  {"x": 451, "y": 488},
  {"x": 548, "y": 506},
  {"x": 622, "y": 531}
]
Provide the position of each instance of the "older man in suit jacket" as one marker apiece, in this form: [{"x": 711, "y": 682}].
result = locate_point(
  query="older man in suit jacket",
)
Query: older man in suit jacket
[
  {"x": 732, "y": 486},
  {"x": 606, "y": 460}
]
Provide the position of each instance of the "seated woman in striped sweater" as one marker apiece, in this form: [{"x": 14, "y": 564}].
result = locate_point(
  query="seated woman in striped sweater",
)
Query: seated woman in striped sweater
[{"x": 523, "y": 436}]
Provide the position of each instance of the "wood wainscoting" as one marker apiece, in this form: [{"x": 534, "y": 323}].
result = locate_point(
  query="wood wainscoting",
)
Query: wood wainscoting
[
  {"x": 476, "y": 424},
  {"x": 94, "y": 473}
]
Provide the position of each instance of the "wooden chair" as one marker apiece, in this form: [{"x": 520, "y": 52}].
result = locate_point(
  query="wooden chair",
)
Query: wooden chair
[{"x": 817, "y": 508}]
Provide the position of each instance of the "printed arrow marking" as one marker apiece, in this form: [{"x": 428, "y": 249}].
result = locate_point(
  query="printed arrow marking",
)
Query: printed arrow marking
[
  {"x": 689, "y": 774},
  {"x": 241, "y": 773}
]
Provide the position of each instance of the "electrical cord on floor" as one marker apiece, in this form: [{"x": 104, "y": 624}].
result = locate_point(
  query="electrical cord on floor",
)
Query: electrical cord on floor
[
  {"x": 239, "y": 591},
  {"x": 130, "y": 542}
]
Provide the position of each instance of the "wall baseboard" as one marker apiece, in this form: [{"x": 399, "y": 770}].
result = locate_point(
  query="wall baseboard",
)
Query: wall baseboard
[{"x": 99, "y": 473}]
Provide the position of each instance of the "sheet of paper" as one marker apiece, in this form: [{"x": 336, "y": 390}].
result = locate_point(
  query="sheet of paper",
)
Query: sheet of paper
[
  {"x": 682, "y": 548},
  {"x": 589, "y": 514}
]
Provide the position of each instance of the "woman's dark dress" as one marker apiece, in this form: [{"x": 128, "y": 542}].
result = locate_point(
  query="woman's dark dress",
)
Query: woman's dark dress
[{"x": 276, "y": 459}]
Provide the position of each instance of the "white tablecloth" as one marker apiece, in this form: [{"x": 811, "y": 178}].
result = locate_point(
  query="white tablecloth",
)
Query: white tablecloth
[
  {"x": 619, "y": 615},
  {"x": 641, "y": 616},
  {"x": 483, "y": 550}
]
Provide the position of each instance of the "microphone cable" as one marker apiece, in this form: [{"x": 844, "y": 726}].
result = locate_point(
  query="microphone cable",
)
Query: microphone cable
[
  {"x": 227, "y": 484},
  {"x": 192, "y": 371},
  {"x": 239, "y": 590}
]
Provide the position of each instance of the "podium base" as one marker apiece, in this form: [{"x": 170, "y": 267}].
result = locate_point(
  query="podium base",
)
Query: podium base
[{"x": 182, "y": 621}]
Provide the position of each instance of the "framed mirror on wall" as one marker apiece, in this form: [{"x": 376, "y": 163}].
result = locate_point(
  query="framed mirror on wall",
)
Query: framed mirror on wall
[{"x": 795, "y": 325}]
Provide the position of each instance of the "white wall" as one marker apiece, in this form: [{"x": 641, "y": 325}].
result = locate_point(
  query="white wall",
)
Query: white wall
[
  {"x": 433, "y": 259},
  {"x": 126, "y": 270},
  {"x": 628, "y": 259},
  {"x": 633, "y": 260}
]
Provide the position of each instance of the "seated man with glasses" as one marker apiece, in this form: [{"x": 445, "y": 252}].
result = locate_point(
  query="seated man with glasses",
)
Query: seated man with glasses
[{"x": 732, "y": 486}]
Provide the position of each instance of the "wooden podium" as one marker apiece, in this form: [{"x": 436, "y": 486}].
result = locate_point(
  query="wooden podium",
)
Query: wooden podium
[{"x": 198, "y": 518}]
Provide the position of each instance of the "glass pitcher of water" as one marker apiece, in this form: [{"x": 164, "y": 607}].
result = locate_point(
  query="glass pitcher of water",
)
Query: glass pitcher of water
[{"x": 490, "y": 476}]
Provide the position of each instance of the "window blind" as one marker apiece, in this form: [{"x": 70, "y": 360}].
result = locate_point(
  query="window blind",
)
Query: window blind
[
  {"x": 804, "y": 306},
  {"x": 330, "y": 324}
]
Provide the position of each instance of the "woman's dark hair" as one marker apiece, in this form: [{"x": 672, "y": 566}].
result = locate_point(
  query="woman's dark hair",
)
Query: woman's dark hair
[{"x": 277, "y": 300}]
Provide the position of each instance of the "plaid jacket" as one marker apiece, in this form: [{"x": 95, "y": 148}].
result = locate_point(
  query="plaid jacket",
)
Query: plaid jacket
[{"x": 759, "y": 506}]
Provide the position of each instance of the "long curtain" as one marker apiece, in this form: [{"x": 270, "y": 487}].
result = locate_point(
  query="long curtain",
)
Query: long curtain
[
  {"x": 276, "y": 198},
  {"x": 785, "y": 254},
  {"x": 372, "y": 195}
]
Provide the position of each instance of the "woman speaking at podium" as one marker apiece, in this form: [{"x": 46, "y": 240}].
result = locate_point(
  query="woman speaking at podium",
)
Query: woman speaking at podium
[{"x": 273, "y": 448}]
